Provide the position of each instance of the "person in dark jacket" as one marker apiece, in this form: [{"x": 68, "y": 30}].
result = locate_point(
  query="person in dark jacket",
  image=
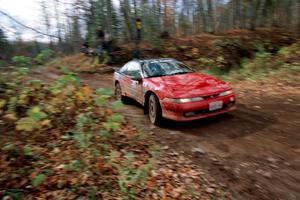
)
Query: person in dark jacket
[
  {"x": 104, "y": 46},
  {"x": 100, "y": 41}
]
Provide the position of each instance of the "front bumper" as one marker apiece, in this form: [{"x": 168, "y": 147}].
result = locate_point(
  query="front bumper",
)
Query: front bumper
[{"x": 196, "y": 110}]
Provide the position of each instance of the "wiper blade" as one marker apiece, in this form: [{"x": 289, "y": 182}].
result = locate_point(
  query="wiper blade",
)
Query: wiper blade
[
  {"x": 180, "y": 73},
  {"x": 156, "y": 76}
]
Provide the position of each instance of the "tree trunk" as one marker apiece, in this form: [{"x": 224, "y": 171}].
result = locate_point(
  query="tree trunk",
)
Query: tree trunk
[
  {"x": 236, "y": 13},
  {"x": 210, "y": 15},
  {"x": 135, "y": 9},
  {"x": 76, "y": 35},
  {"x": 109, "y": 17},
  {"x": 253, "y": 15},
  {"x": 260, "y": 12},
  {"x": 47, "y": 21},
  {"x": 57, "y": 18},
  {"x": 202, "y": 16},
  {"x": 288, "y": 11},
  {"x": 125, "y": 8},
  {"x": 298, "y": 10}
]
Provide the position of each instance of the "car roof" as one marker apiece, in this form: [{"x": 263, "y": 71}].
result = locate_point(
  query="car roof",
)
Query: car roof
[{"x": 155, "y": 60}]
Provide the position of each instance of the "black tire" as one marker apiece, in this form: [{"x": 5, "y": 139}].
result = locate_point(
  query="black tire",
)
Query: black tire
[
  {"x": 154, "y": 110},
  {"x": 118, "y": 94}
]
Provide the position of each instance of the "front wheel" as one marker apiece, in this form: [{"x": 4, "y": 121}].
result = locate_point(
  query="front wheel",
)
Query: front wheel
[{"x": 154, "y": 110}]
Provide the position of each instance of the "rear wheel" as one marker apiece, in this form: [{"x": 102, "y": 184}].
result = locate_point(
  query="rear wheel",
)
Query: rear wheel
[
  {"x": 118, "y": 94},
  {"x": 154, "y": 110},
  {"x": 118, "y": 91}
]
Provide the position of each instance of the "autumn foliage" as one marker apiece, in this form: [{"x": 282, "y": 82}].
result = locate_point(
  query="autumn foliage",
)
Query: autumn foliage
[{"x": 66, "y": 140}]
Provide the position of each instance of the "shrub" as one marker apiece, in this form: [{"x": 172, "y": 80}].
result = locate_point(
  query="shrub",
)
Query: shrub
[
  {"x": 2, "y": 63},
  {"x": 81, "y": 121},
  {"x": 22, "y": 61},
  {"x": 44, "y": 56}
]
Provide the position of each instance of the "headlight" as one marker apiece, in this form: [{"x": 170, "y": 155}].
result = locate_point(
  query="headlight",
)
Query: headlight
[
  {"x": 225, "y": 93},
  {"x": 185, "y": 100}
]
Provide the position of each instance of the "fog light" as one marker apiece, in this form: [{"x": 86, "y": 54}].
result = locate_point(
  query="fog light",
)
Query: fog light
[{"x": 231, "y": 99}]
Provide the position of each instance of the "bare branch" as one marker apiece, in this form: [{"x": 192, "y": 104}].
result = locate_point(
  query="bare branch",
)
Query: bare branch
[{"x": 20, "y": 23}]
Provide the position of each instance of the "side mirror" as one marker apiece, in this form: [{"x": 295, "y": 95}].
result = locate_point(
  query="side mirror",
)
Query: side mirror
[{"x": 139, "y": 79}]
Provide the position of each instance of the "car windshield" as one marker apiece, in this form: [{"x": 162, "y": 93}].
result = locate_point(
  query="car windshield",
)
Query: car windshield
[{"x": 166, "y": 68}]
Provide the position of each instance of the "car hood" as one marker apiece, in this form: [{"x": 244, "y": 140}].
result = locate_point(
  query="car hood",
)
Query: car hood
[{"x": 189, "y": 85}]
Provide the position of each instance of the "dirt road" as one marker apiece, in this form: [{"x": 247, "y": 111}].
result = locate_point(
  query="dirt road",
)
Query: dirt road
[{"x": 254, "y": 151}]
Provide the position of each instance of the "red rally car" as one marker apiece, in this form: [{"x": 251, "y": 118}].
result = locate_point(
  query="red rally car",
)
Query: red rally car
[{"x": 169, "y": 89}]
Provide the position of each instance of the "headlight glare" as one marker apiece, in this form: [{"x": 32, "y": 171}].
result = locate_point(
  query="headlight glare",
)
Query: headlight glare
[
  {"x": 225, "y": 93},
  {"x": 183, "y": 100}
]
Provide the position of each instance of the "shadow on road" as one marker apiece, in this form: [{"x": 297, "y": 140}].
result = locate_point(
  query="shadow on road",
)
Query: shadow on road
[{"x": 238, "y": 123}]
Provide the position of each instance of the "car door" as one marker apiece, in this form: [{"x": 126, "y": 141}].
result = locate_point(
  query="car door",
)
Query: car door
[{"x": 135, "y": 88}]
